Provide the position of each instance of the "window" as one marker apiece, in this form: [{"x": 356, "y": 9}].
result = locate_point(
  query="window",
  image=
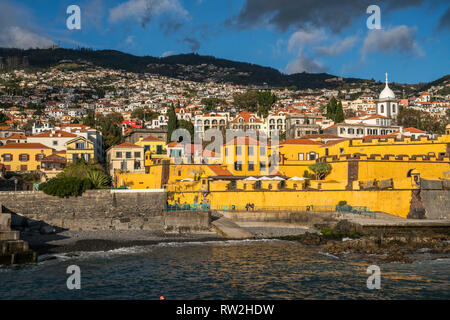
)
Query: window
[
  {"x": 128, "y": 155},
  {"x": 238, "y": 150},
  {"x": 341, "y": 150},
  {"x": 118, "y": 154},
  {"x": 393, "y": 108},
  {"x": 251, "y": 166},
  {"x": 262, "y": 166},
  {"x": 311, "y": 156},
  {"x": 74, "y": 156},
  {"x": 300, "y": 157},
  {"x": 342, "y": 130},
  {"x": 159, "y": 149},
  {"x": 226, "y": 151},
  {"x": 23, "y": 157},
  {"x": 79, "y": 145},
  {"x": 238, "y": 166},
  {"x": 326, "y": 152},
  {"x": 7, "y": 157},
  {"x": 262, "y": 151},
  {"x": 250, "y": 150},
  {"x": 39, "y": 157},
  {"x": 137, "y": 165},
  {"x": 55, "y": 143},
  {"x": 23, "y": 167},
  {"x": 382, "y": 108},
  {"x": 137, "y": 154}
]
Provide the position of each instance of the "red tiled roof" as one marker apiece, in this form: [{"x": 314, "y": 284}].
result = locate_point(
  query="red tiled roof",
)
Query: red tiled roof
[
  {"x": 301, "y": 141},
  {"x": 244, "y": 141},
  {"x": 218, "y": 170},
  {"x": 151, "y": 138},
  {"x": 126, "y": 145},
  {"x": 56, "y": 134},
  {"x": 24, "y": 146}
]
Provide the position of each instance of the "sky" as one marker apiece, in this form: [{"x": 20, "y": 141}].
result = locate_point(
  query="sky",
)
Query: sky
[{"x": 331, "y": 36}]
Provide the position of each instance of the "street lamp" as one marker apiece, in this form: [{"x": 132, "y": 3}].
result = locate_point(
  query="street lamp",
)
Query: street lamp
[{"x": 15, "y": 183}]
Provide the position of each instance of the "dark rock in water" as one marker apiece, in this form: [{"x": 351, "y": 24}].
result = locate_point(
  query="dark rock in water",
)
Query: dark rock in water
[
  {"x": 345, "y": 227},
  {"x": 18, "y": 220},
  {"x": 34, "y": 225},
  {"x": 397, "y": 256},
  {"x": 47, "y": 230}
]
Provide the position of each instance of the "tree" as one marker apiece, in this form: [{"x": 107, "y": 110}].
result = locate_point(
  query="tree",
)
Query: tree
[
  {"x": 183, "y": 124},
  {"x": 331, "y": 108},
  {"x": 339, "y": 116},
  {"x": 266, "y": 100},
  {"x": 421, "y": 120},
  {"x": 321, "y": 169},
  {"x": 3, "y": 117},
  {"x": 171, "y": 123},
  {"x": 247, "y": 101},
  {"x": 138, "y": 113}
]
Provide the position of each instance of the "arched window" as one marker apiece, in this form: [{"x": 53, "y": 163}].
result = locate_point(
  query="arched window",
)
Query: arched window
[{"x": 382, "y": 108}]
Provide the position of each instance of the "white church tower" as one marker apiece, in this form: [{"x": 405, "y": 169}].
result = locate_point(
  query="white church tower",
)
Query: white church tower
[{"x": 387, "y": 104}]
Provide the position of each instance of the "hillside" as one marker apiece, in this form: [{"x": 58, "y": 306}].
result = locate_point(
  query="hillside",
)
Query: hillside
[{"x": 184, "y": 66}]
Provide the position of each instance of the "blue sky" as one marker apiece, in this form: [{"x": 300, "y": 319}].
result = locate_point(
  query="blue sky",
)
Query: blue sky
[{"x": 292, "y": 36}]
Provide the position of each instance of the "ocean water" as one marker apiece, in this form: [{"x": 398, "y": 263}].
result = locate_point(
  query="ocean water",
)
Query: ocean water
[{"x": 252, "y": 269}]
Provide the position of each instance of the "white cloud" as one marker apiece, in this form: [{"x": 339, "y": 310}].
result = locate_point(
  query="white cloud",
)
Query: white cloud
[
  {"x": 337, "y": 47},
  {"x": 399, "y": 39},
  {"x": 299, "y": 39},
  {"x": 16, "y": 37},
  {"x": 15, "y": 28},
  {"x": 304, "y": 64},
  {"x": 144, "y": 10},
  {"x": 168, "y": 54}
]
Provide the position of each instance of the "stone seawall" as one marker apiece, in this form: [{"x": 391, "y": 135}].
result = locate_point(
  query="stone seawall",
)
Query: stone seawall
[
  {"x": 436, "y": 203},
  {"x": 94, "y": 210}
]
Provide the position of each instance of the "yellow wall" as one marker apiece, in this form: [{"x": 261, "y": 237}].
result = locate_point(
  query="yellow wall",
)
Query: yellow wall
[
  {"x": 396, "y": 202},
  {"x": 16, "y": 163},
  {"x": 71, "y": 149}
]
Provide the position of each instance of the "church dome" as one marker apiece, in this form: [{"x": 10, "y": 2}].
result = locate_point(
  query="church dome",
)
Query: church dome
[{"x": 387, "y": 93}]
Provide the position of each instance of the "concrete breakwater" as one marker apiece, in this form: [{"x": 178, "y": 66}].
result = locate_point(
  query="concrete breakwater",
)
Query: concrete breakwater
[
  {"x": 98, "y": 210},
  {"x": 12, "y": 249}
]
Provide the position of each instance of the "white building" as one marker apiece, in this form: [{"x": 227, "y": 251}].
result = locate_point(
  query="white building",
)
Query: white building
[{"x": 387, "y": 104}]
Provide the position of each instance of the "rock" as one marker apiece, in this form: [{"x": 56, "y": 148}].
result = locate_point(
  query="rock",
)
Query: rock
[
  {"x": 18, "y": 220},
  {"x": 47, "y": 230},
  {"x": 344, "y": 227}
]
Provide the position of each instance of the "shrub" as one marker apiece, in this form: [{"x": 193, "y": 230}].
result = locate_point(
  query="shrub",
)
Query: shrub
[
  {"x": 342, "y": 203},
  {"x": 65, "y": 187}
]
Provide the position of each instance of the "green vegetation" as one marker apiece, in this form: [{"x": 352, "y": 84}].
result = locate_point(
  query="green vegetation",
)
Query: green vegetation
[
  {"x": 335, "y": 111},
  {"x": 421, "y": 120},
  {"x": 255, "y": 101},
  {"x": 110, "y": 126},
  {"x": 172, "y": 123},
  {"x": 65, "y": 187},
  {"x": 321, "y": 169},
  {"x": 212, "y": 103},
  {"x": 144, "y": 114},
  {"x": 3, "y": 118},
  {"x": 77, "y": 178}
]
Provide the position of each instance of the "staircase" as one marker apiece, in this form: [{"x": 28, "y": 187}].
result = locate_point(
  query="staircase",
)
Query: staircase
[{"x": 12, "y": 249}]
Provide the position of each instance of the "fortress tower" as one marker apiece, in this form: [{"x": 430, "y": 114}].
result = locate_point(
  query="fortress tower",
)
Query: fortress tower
[{"x": 387, "y": 104}]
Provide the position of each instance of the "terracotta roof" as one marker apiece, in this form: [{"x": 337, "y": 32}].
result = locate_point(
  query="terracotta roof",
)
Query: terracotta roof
[
  {"x": 151, "y": 138},
  {"x": 16, "y": 136},
  {"x": 56, "y": 134},
  {"x": 126, "y": 145},
  {"x": 24, "y": 146},
  {"x": 218, "y": 170},
  {"x": 244, "y": 141},
  {"x": 301, "y": 141}
]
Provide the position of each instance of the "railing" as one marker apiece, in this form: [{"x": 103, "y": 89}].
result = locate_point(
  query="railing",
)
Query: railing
[
  {"x": 357, "y": 210},
  {"x": 187, "y": 207},
  {"x": 251, "y": 207}
]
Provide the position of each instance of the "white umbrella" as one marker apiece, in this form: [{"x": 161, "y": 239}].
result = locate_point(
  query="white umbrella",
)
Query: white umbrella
[
  {"x": 187, "y": 179},
  {"x": 264, "y": 178},
  {"x": 251, "y": 179},
  {"x": 277, "y": 178},
  {"x": 297, "y": 179}
]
